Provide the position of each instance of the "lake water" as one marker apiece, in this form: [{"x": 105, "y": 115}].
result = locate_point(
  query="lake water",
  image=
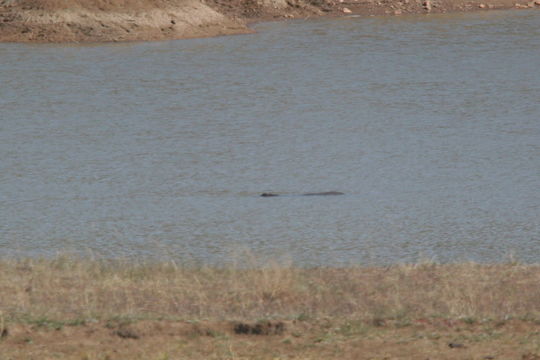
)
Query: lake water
[{"x": 430, "y": 125}]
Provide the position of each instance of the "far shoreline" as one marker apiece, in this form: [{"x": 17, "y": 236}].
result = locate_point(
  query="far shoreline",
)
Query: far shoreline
[{"x": 77, "y": 21}]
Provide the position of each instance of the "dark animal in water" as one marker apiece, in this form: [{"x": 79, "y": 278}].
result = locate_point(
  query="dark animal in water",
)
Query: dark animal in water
[{"x": 308, "y": 194}]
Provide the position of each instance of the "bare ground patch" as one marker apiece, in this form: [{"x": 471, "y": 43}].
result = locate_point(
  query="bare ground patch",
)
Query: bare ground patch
[{"x": 310, "y": 339}]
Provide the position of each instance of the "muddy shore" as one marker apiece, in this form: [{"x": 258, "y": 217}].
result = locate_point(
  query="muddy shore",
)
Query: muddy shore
[{"x": 45, "y": 21}]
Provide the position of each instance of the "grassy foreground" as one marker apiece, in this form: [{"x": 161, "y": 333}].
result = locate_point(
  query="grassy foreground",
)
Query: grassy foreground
[{"x": 69, "y": 308}]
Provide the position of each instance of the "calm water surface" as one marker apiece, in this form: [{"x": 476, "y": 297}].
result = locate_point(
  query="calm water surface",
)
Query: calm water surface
[{"x": 429, "y": 124}]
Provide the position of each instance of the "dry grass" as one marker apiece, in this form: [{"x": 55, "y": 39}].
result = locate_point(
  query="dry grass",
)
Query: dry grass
[
  {"x": 70, "y": 308},
  {"x": 71, "y": 288}
]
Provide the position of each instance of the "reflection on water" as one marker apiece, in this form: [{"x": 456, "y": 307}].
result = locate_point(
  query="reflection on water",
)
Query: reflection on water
[{"x": 429, "y": 124}]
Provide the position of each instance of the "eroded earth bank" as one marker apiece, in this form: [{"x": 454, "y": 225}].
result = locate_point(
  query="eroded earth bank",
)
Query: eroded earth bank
[{"x": 128, "y": 20}]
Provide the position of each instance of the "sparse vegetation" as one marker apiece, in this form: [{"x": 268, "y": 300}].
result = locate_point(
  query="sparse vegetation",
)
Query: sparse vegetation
[{"x": 304, "y": 310}]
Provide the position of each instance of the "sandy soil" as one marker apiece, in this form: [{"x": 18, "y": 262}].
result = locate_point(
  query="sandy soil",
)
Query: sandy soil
[
  {"x": 129, "y": 20},
  {"x": 117, "y": 20}
]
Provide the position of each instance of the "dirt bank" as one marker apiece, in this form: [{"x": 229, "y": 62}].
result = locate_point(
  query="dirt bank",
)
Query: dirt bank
[
  {"x": 128, "y": 20},
  {"x": 111, "y": 20}
]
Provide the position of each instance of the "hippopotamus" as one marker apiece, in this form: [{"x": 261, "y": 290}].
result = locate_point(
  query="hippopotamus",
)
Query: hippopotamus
[{"x": 326, "y": 193}]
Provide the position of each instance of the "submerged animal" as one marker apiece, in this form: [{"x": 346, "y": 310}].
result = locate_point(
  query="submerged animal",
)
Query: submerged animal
[{"x": 326, "y": 193}]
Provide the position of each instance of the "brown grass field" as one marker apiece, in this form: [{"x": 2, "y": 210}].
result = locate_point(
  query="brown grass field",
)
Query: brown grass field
[{"x": 72, "y": 308}]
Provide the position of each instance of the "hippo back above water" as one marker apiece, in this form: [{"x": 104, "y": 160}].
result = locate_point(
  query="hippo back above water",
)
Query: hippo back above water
[{"x": 326, "y": 193}]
